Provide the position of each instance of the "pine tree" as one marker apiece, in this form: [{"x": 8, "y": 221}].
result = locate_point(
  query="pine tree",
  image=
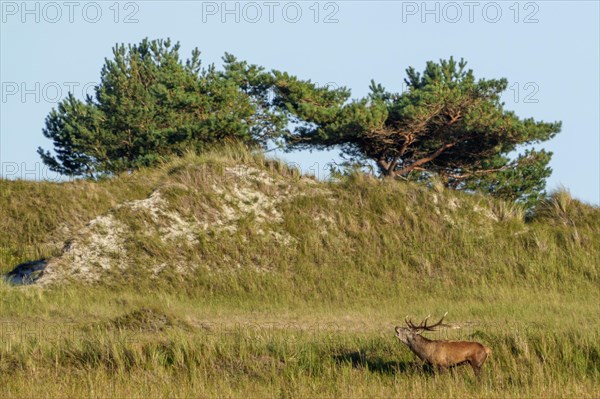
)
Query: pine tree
[
  {"x": 148, "y": 105},
  {"x": 446, "y": 124}
]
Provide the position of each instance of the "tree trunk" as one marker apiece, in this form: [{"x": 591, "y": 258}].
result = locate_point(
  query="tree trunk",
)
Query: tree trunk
[{"x": 384, "y": 166}]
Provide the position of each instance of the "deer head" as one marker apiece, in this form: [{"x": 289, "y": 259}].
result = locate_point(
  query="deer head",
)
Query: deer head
[{"x": 408, "y": 333}]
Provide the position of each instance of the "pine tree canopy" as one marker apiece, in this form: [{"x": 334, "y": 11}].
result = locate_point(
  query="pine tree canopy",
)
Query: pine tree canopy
[
  {"x": 149, "y": 104},
  {"x": 446, "y": 124}
]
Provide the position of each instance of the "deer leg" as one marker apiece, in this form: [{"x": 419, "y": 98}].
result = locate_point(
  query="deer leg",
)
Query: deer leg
[
  {"x": 476, "y": 369},
  {"x": 477, "y": 363}
]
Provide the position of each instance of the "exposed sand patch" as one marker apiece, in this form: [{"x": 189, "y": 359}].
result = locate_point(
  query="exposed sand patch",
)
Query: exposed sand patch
[{"x": 245, "y": 192}]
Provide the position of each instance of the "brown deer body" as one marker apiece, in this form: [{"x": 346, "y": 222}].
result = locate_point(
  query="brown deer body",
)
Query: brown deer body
[{"x": 442, "y": 354}]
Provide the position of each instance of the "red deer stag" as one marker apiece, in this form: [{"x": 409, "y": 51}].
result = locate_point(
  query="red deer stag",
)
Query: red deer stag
[{"x": 442, "y": 354}]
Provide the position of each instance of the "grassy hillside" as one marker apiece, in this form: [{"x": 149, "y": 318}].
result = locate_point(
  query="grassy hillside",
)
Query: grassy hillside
[{"x": 230, "y": 274}]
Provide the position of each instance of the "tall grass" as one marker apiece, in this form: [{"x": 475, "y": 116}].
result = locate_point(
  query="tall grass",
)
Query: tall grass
[
  {"x": 100, "y": 342},
  {"x": 309, "y": 315}
]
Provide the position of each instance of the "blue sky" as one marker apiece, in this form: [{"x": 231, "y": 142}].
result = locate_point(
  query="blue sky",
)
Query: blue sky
[{"x": 548, "y": 50}]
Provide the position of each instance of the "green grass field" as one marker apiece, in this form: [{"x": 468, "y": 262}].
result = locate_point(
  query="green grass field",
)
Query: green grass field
[{"x": 294, "y": 288}]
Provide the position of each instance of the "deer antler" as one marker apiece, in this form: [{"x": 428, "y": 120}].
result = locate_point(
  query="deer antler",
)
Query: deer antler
[
  {"x": 438, "y": 324},
  {"x": 423, "y": 326}
]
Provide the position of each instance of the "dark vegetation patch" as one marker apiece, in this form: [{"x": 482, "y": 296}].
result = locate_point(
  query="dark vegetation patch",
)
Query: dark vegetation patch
[{"x": 147, "y": 319}]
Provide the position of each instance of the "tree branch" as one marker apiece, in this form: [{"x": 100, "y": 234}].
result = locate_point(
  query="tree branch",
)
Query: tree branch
[
  {"x": 429, "y": 158},
  {"x": 478, "y": 172}
]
